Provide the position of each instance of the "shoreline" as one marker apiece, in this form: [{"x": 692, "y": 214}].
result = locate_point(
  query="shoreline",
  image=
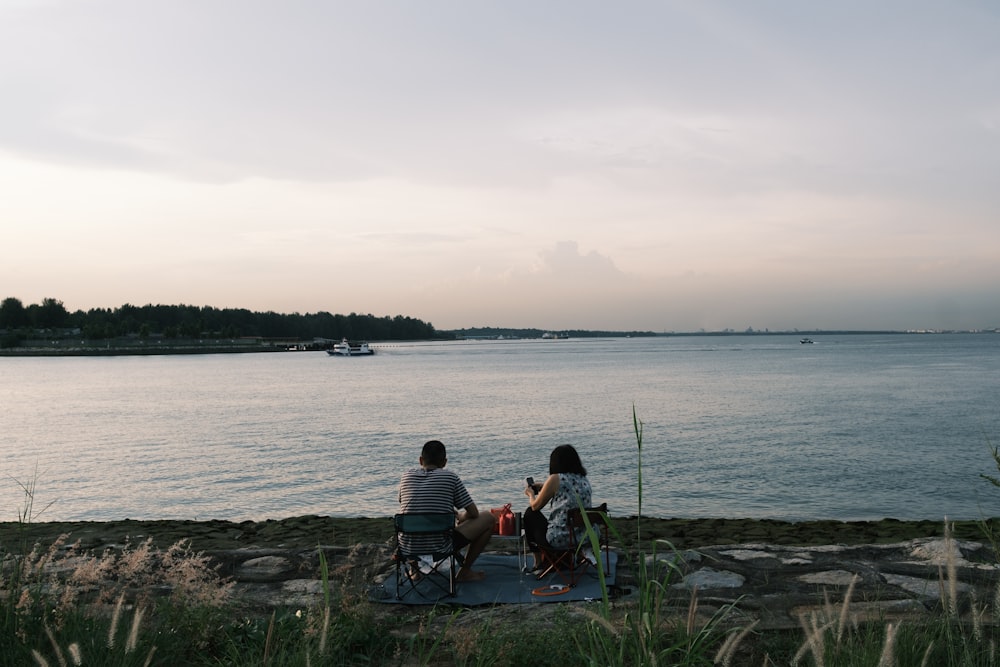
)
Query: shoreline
[
  {"x": 772, "y": 573},
  {"x": 303, "y": 532},
  {"x": 138, "y": 351}
]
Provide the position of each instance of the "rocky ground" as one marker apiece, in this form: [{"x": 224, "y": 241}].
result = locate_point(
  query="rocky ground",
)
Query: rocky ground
[
  {"x": 310, "y": 531},
  {"x": 770, "y": 571}
]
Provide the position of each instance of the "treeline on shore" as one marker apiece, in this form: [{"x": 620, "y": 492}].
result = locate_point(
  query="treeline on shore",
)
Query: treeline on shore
[
  {"x": 500, "y": 332},
  {"x": 51, "y": 319}
]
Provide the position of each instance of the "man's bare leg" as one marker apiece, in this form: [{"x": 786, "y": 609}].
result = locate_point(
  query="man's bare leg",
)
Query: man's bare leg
[{"x": 478, "y": 531}]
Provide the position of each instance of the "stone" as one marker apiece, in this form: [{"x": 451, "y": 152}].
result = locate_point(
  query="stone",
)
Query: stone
[
  {"x": 709, "y": 578},
  {"x": 797, "y": 560},
  {"x": 939, "y": 552},
  {"x": 746, "y": 554},
  {"x": 264, "y": 568},
  {"x": 829, "y": 578},
  {"x": 926, "y": 589}
]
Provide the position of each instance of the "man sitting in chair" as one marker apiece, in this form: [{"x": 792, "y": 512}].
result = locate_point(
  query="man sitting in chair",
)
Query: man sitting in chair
[{"x": 431, "y": 488}]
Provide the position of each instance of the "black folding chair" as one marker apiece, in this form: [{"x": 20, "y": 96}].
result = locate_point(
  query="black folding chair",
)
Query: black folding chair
[
  {"x": 600, "y": 524},
  {"x": 571, "y": 563},
  {"x": 425, "y": 554}
]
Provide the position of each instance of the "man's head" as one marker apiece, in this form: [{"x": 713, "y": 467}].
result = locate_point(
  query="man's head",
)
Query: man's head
[{"x": 433, "y": 454}]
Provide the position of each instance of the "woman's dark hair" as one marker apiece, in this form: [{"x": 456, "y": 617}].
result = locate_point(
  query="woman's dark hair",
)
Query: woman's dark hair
[{"x": 565, "y": 459}]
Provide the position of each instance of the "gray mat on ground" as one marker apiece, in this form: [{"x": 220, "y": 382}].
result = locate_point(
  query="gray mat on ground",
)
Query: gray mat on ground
[{"x": 505, "y": 583}]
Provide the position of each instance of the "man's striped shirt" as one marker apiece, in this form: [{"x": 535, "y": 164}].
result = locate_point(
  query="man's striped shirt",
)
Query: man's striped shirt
[{"x": 437, "y": 490}]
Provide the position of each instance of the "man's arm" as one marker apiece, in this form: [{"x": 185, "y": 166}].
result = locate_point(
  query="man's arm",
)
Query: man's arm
[{"x": 468, "y": 513}]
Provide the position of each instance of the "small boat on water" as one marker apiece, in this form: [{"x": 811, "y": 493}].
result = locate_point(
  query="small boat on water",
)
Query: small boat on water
[
  {"x": 347, "y": 349},
  {"x": 806, "y": 341}
]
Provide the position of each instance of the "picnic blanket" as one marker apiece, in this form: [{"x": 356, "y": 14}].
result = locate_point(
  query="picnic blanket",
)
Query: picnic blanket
[{"x": 505, "y": 583}]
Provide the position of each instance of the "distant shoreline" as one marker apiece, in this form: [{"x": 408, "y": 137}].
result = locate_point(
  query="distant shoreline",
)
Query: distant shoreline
[
  {"x": 97, "y": 351},
  {"x": 133, "y": 349}
]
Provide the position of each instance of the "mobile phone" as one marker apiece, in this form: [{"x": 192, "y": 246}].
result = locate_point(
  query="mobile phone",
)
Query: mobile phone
[{"x": 530, "y": 481}]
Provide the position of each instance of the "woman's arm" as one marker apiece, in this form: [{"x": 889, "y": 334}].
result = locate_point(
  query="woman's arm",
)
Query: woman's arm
[{"x": 548, "y": 490}]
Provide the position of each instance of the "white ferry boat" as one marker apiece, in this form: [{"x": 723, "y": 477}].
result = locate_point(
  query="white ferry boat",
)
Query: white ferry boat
[{"x": 348, "y": 349}]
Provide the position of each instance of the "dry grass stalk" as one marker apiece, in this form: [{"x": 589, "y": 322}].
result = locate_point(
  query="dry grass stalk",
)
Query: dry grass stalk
[
  {"x": 55, "y": 646},
  {"x": 133, "y": 635},
  {"x": 191, "y": 577},
  {"x": 845, "y": 607},
  {"x": 814, "y": 640},
  {"x": 323, "y": 634},
  {"x": 600, "y": 620},
  {"x": 888, "y": 657},
  {"x": 75, "y": 654},
  {"x": 733, "y": 641},
  {"x": 927, "y": 655},
  {"x": 942, "y": 588},
  {"x": 950, "y": 558},
  {"x": 268, "y": 638},
  {"x": 692, "y": 616},
  {"x": 464, "y": 642},
  {"x": 978, "y": 613},
  {"x": 115, "y": 617}
]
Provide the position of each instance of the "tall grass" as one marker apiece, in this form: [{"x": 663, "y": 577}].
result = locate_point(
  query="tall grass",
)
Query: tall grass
[
  {"x": 956, "y": 636},
  {"x": 987, "y": 527},
  {"x": 650, "y": 632},
  {"x": 637, "y": 427},
  {"x": 65, "y": 616}
]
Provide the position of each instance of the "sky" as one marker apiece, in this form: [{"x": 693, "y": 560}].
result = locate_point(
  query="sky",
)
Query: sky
[{"x": 567, "y": 164}]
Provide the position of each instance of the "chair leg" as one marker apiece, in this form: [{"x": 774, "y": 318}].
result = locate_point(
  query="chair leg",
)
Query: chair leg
[
  {"x": 563, "y": 564},
  {"x": 408, "y": 572},
  {"x": 399, "y": 579},
  {"x": 410, "y": 575}
]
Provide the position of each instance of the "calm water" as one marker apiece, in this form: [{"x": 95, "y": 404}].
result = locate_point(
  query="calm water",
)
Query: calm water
[{"x": 852, "y": 427}]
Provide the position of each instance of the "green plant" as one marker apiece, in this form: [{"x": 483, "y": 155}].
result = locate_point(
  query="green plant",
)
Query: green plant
[
  {"x": 60, "y": 603},
  {"x": 956, "y": 636},
  {"x": 637, "y": 426},
  {"x": 651, "y": 634},
  {"x": 986, "y": 526},
  {"x": 27, "y": 514},
  {"x": 22, "y": 572},
  {"x": 424, "y": 643},
  {"x": 120, "y": 648}
]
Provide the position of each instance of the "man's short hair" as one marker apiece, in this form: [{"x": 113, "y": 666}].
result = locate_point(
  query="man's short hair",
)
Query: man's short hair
[{"x": 433, "y": 453}]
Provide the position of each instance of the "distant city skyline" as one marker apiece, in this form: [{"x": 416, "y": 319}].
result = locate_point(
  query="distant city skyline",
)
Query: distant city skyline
[{"x": 561, "y": 165}]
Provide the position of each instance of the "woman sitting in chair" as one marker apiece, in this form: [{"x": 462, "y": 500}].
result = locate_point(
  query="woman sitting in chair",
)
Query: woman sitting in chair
[{"x": 567, "y": 487}]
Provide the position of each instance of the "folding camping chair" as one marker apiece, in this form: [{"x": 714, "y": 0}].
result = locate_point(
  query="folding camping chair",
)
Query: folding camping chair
[
  {"x": 600, "y": 523},
  {"x": 572, "y": 562},
  {"x": 425, "y": 552}
]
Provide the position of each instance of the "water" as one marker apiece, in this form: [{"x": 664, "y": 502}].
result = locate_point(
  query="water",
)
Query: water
[{"x": 852, "y": 427}]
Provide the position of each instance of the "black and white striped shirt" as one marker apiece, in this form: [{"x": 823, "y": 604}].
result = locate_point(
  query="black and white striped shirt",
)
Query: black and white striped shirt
[{"x": 434, "y": 490}]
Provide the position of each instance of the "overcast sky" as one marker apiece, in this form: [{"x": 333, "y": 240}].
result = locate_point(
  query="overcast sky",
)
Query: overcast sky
[{"x": 668, "y": 166}]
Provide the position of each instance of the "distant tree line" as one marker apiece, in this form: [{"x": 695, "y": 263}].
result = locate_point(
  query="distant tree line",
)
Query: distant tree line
[
  {"x": 18, "y": 322},
  {"x": 494, "y": 332}
]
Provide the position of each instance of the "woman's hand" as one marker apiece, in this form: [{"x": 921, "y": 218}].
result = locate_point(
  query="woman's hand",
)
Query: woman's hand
[{"x": 545, "y": 494}]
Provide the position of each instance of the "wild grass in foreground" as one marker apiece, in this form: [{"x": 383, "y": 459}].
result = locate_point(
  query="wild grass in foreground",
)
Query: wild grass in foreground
[
  {"x": 649, "y": 631},
  {"x": 959, "y": 634}
]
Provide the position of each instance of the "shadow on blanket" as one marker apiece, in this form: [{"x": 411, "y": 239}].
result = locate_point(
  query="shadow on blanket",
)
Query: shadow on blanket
[{"x": 505, "y": 583}]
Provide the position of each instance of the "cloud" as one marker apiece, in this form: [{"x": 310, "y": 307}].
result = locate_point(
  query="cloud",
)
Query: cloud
[{"x": 565, "y": 263}]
